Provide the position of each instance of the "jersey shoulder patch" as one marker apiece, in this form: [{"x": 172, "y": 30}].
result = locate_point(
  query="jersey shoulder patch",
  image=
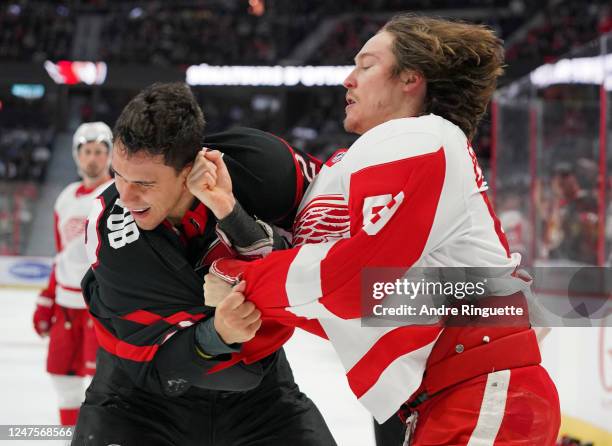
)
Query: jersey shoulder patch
[{"x": 336, "y": 157}]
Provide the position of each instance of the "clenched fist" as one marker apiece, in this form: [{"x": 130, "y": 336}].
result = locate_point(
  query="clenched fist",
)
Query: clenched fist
[
  {"x": 209, "y": 181},
  {"x": 215, "y": 290},
  {"x": 236, "y": 319}
]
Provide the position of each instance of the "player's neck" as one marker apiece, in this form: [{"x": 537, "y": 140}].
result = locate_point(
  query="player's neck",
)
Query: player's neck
[{"x": 182, "y": 206}]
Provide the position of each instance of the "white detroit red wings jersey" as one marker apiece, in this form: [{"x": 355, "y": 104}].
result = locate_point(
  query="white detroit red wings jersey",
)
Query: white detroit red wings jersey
[
  {"x": 407, "y": 193},
  {"x": 71, "y": 210}
]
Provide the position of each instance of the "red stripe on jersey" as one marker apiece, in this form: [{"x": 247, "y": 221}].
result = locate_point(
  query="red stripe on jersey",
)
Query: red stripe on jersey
[
  {"x": 58, "y": 239},
  {"x": 82, "y": 190},
  {"x": 122, "y": 349},
  {"x": 147, "y": 318},
  {"x": 69, "y": 288},
  {"x": 479, "y": 178},
  {"x": 387, "y": 349},
  {"x": 142, "y": 317},
  {"x": 496, "y": 224},
  {"x": 183, "y": 316}
]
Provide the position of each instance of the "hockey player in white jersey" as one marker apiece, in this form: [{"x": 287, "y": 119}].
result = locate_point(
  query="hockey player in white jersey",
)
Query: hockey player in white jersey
[
  {"x": 60, "y": 311},
  {"x": 408, "y": 194}
]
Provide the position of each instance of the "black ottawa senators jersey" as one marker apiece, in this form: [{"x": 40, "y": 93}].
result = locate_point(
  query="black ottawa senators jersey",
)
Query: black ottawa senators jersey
[{"x": 144, "y": 289}]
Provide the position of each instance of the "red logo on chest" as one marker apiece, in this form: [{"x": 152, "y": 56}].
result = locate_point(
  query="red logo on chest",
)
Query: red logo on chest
[
  {"x": 325, "y": 218},
  {"x": 73, "y": 228}
]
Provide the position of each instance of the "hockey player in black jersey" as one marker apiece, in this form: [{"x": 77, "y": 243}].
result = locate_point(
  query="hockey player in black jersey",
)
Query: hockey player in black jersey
[{"x": 150, "y": 241}]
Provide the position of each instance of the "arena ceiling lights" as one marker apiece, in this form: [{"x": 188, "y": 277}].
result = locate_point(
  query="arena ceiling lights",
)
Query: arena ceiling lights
[
  {"x": 581, "y": 70},
  {"x": 267, "y": 76},
  {"x": 67, "y": 72}
]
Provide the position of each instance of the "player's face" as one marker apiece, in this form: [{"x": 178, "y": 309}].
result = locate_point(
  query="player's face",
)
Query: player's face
[
  {"x": 148, "y": 188},
  {"x": 373, "y": 95},
  {"x": 93, "y": 159}
]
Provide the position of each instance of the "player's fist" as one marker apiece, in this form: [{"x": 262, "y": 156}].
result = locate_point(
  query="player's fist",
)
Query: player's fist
[
  {"x": 209, "y": 181},
  {"x": 215, "y": 290},
  {"x": 237, "y": 320},
  {"x": 43, "y": 315}
]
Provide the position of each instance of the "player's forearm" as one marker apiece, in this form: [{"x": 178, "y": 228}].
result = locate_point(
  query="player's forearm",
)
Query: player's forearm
[{"x": 249, "y": 236}]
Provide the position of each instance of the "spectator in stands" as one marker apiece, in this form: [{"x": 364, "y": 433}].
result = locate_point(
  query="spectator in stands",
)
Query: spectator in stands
[{"x": 574, "y": 217}]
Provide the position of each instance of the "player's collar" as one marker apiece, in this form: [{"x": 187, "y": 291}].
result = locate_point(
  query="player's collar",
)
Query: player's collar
[{"x": 194, "y": 221}]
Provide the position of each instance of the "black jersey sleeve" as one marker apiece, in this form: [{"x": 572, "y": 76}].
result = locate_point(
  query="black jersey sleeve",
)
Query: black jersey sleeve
[{"x": 269, "y": 177}]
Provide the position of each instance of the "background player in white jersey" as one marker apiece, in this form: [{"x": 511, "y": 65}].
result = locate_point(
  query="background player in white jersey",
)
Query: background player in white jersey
[
  {"x": 60, "y": 311},
  {"x": 409, "y": 193}
]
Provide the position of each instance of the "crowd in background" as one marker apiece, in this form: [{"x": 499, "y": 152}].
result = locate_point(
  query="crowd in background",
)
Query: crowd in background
[
  {"x": 230, "y": 32},
  {"x": 564, "y": 26},
  {"x": 26, "y": 138},
  {"x": 24, "y": 153},
  {"x": 159, "y": 34},
  {"x": 556, "y": 214},
  {"x": 35, "y": 31}
]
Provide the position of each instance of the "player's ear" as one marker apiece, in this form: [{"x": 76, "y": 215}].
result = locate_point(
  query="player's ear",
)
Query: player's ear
[
  {"x": 184, "y": 173},
  {"x": 412, "y": 80}
]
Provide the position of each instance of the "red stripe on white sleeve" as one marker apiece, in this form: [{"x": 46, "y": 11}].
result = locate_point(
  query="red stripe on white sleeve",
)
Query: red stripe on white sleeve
[
  {"x": 397, "y": 342},
  {"x": 497, "y": 224},
  {"x": 58, "y": 238}
]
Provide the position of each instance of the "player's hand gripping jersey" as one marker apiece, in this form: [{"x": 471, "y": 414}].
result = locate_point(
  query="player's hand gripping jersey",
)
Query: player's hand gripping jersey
[
  {"x": 407, "y": 193},
  {"x": 144, "y": 289}
]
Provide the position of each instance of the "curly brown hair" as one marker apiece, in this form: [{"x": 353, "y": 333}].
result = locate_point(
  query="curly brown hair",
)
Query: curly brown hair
[{"x": 460, "y": 62}]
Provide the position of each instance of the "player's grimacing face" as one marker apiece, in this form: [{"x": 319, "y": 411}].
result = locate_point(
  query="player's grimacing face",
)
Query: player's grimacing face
[
  {"x": 93, "y": 159},
  {"x": 373, "y": 94},
  {"x": 147, "y": 187}
]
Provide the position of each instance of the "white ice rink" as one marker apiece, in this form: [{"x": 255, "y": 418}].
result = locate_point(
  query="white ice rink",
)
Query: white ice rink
[{"x": 26, "y": 395}]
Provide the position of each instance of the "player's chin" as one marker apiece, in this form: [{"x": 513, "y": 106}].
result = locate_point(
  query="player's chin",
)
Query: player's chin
[
  {"x": 349, "y": 124},
  {"x": 146, "y": 221},
  {"x": 93, "y": 172}
]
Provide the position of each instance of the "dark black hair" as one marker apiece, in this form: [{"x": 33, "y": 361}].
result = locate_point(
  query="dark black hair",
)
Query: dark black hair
[{"x": 163, "y": 119}]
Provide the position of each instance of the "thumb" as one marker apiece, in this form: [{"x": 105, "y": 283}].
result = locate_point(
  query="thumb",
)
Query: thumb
[
  {"x": 241, "y": 287},
  {"x": 216, "y": 157}
]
